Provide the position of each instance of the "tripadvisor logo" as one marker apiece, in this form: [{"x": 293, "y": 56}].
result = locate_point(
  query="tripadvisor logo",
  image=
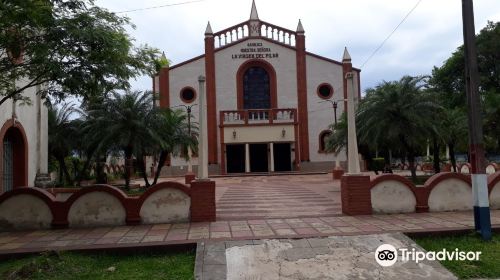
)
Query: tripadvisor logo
[{"x": 387, "y": 255}]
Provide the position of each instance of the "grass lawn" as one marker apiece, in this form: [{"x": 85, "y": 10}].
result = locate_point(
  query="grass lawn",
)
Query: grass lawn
[
  {"x": 488, "y": 265},
  {"x": 67, "y": 265}
]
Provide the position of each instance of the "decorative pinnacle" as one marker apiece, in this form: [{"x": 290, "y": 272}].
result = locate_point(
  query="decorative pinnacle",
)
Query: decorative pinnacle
[
  {"x": 300, "y": 28},
  {"x": 209, "y": 31},
  {"x": 253, "y": 14},
  {"x": 346, "y": 57}
]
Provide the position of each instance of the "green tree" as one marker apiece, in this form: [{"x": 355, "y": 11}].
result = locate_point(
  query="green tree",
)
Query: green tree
[
  {"x": 399, "y": 114},
  {"x": 123, "y": 122},
  {"x": 61, "y": 132},
  {"x": 71, "y": 47},
  {"x": 175, "y": 137}
]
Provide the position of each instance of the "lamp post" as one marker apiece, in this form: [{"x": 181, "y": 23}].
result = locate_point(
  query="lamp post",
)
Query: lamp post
[
  {"x": 337, "y": 170},
  {"x": 482, "y": 221},
  {"x": 334, "y": 106},
  {"x": 188, "y": 110}
]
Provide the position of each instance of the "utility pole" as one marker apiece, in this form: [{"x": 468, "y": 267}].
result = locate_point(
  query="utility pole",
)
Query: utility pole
[{"x": 482, "y": 221}]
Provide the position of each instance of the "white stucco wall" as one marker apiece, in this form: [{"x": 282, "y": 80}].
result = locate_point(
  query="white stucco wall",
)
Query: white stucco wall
[
  {"x": 24, "y": 212},
  {"x": 490, "y": 169},
  {"x": 166, "y": 206},
  {"x": 464, "y": 169},
  {"x": 321, "y": 115},
  {"x": 495, "y": 197},
  {"x": 186, "y": 76},
  {"x": 96, "y": 209},
  {"x": 450, "y": 195},
  {"x": 256, "y": 134},
  {"x": 27, "y": 116},
  {"x": 391, "y": 197}
]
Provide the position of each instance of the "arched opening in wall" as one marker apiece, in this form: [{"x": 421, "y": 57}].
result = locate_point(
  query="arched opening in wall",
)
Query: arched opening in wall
[
  {"x": 14, "y": 159},
  {"x": 256, "y": 85},
  {"x": 323, "y": 136}
]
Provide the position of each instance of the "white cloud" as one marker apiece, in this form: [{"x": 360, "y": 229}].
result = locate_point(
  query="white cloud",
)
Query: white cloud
[{"x": 429, "y": 36}]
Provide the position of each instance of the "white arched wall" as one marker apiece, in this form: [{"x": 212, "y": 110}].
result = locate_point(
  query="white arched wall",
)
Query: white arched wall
[{"x": 391, "y": 196}]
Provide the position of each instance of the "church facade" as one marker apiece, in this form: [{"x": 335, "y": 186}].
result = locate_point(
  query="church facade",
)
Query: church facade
[
  {"x": 269, "y": 101},
  {"x": 24, "y": 142}
]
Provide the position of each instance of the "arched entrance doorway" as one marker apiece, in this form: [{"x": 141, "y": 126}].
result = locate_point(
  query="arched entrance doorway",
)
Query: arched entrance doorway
[{"x": 14, "y": 157}]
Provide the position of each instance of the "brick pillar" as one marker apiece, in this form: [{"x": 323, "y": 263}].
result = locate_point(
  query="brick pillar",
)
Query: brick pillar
[
  {"x": 189, "y": 177},
  {"x": 337, "y": 173},
  {"x": 422, "y": 197},
  {"x": 302, "y": 95},
  {"x": 164, "y": 88},
  {"x": 132, "y": 210},
  {"x": 60, "y": 215},
  {"x": 355, "y": 194},
  {"x": 203, "y": 201},
  {"x": 211, "y": 97}
]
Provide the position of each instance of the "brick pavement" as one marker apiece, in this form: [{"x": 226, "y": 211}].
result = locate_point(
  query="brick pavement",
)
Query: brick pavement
[
  {"x": 259, "y": 197},
  {"x": 166, "y": 234}
]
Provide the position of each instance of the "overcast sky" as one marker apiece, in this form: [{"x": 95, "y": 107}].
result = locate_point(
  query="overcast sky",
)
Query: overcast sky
[{"x": 427, "y": 38}]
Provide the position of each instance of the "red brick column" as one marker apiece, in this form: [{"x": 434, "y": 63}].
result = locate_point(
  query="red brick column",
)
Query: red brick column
[
  {"x": 202, "y": 201},
  {"x": 337, "y": 172},
  {"x": 211, "y": 98},
  {"x": 133, "y": 209},
  {"x": 189, "y": 177},
  {"x": 164, "y": 88},
  {"x": 355, "y": 194},
  {"x": 300, "y": 43}
]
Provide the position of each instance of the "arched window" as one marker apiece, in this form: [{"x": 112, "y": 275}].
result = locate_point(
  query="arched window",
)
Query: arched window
[
  {"x": 323, "y": 136},
  {"x": 256, "y": 89},
  {"x": 256, "y": 85}
]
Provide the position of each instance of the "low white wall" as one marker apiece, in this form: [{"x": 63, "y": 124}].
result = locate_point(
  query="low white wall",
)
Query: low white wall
[
  {"x": 490, "y": 169},
  {"x": 392, "y": 197},
  {"x": 464, "y": 169},
  {"x": 96, "y": 209},
  {"x": 495, "y": 197},
  {"x": 24, "y": 212},
  {"x": 450, "y": 195},
  {"x": 166, "y": 206}
]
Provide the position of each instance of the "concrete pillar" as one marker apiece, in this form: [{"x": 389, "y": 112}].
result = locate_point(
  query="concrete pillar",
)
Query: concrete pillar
[
  {"x": 247, "y": 157},
  {"x": 428, "y": 150},
  {"x": 271, "y": 155},
  {"x": 189, "y": 165},
  {"x": 202, "y": 142},
  {"x": 352, "y": 147}
]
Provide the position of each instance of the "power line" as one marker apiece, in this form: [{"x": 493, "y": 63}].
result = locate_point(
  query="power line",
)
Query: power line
[
  {"x": 161, "y": 6},
  {"x": 393, "y": 31}
]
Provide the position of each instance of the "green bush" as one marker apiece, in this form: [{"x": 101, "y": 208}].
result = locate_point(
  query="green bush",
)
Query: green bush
[{"x": 377, "y": 164}]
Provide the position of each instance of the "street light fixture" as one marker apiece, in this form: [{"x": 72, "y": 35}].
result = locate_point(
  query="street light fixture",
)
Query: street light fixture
[
  {"x": 188, "y": 110},
  {"x": 334, "y": 106}
]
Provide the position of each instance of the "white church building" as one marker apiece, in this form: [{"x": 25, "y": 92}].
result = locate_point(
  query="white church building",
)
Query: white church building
[
  {"x": 264, "y": 95},
  {"x": 23, "y": 136}
]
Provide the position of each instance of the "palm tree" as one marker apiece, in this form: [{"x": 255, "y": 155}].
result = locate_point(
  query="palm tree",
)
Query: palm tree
[
  {"x": 453, "y": 131},
  {"x": 60, "y": 141},
  {"x": 398, "y": 113},
  {"x": 123, "y": 122},
  {"x": 175, "y": 136}
]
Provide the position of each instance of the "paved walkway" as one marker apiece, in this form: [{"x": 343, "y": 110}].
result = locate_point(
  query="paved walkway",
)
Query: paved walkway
[
  {"x": 335, "y": 257},
  {"x": 165, "y": 234},
  {"x": 261, "y": 197}
]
